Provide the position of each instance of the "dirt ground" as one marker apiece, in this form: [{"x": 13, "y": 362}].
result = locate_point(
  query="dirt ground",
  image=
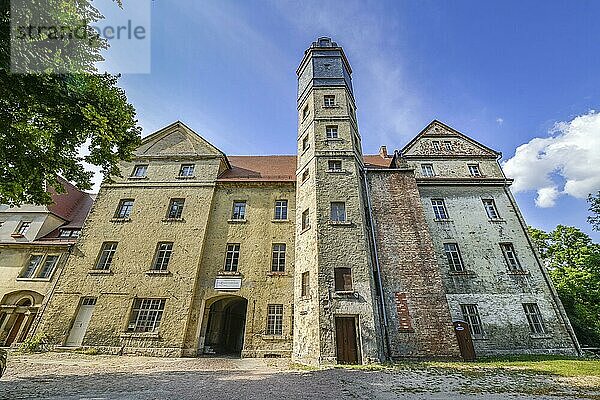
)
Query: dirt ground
[{"x": 78, "y": 376}]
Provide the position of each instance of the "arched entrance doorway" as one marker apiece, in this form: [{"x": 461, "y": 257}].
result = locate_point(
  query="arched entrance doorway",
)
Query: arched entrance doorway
[
  {"x": 17, "y": 312},
  {"x": 226, "y": 325}
]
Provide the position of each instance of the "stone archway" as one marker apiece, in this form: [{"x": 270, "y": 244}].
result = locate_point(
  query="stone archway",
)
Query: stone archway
[
  {"x": 17, "y": 312},
  {"x": 225, "y": 326}
]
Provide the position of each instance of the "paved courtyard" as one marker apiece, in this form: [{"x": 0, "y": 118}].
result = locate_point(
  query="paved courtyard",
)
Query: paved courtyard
[{"x": 78, "y": 376}]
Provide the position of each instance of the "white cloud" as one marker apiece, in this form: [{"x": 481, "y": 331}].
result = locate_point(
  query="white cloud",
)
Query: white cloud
[
  {"x": 565, "y": 163},
  {"x": 500, "y": 121}
]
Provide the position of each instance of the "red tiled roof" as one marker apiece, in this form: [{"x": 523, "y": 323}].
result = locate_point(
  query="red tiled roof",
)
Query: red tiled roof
[{"x": 277, "y": 168}]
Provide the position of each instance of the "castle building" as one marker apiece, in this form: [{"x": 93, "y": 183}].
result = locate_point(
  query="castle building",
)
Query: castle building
[{"x": 330, "y": 256}]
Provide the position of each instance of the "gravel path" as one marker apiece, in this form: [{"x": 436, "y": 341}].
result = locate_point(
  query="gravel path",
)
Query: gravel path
[{"x": 77, "y": 376}]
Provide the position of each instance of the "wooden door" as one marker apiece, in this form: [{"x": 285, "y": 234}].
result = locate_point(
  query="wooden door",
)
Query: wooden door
[
  {"x": 15, "y": 329},
  {"x": 465, "y": 342},
  {"x": 77, "y": 333},
  {"x": 345, "y": 330}
]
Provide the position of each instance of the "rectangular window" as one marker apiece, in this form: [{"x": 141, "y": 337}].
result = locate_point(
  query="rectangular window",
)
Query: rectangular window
[
  {"x": 239, "y": 210},
  {"x": 490, "y": 209},
  {"x": 107, "y": 253},
  {"x": 329, "y": 100},
  {"x": 69, "y": 233},
  {"x": 343, "y": 279},
  {"x": 305, "y": 220},
  {"x": 146, "y": 315},
  {"x": 448, "y": 146},
  {"x": 232, "y": 257},
  {"x": 175, "y": 208},
  {"x": 139, "y": 171},
  {"x": 454, "y": 258},
  {"x": 23, "y": 228},
  {"x": 427, "y": 170},
  {"x": 436, "y": 145},
  {"x": 534, "y": 317},
  {"x": 471, "y": 316},
  {"x": 187, "y": 170},
  {"x": 164, "y": 251},
  {"x": 305, "y": 175},
  {"x": 281, "y": 209},
  {"x": 124, "y": 209},
  {"x": 474, "y": 169},
  {"x": 305, "y": 284},
  {"x": 511, "y": 257},
  {"x": 439, "y": 209},
  {"x": 338, "y": 211},
  {"x": 334, "y": 165},
  {"x": 305, "y": 142},
  {"x": 278, "y": 259},
  {"x": 331, "y": 131},
  {"x": 275, "y": 319},
  {"x": 32, "y": 264},
  {"x": 48, "y": 266}
]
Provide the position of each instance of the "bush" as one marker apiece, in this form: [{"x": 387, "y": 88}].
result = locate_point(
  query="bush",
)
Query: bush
[{"x": 34, "y": 344}]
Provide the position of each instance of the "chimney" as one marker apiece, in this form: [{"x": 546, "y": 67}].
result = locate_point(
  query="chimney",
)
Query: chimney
[{"x": 383, "y": 152}]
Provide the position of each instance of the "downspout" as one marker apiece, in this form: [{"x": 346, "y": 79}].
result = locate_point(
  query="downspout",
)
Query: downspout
[
  {"x": 557, "y": 302},
  {"x": 377, "y": 266}
]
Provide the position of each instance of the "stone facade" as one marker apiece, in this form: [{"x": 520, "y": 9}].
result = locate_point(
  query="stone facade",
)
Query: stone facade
[{"x": 330, "y": 256}]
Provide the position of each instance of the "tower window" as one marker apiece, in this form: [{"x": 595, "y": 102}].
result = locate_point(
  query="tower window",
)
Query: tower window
[
  {"x": 305, "y": 175},
  {"x": 232, "y": 257},
  {"x": 163, "y": 256},
  {"x": 305, "y": 112},
  {"x": 305, "y": 284},
  {"x": 281, "y": 209},
  {"x": 187, "y": 170},
  {"x": 490, "y": 209},
  {"x": 275, "y": 319},
  {"x": 305, "y": 144},
  {"x": 474, "y": 169},
  {"x": 471, "y": 316},
  {"x": 329, "y": 100},
  {"x": 175, "y": 208},
  {"x": 334, "y": 165},
  {"x": 427, "y": 170},
  {"x": 343, "y": 279},
  {"x": 454, "y": 258},
  {"x": 139, "y": 171},
  {"x": 124, "y": 209},
  {"x": 278, "y": 260},
  {"x": 511, "y": 257},
  {"x": 239, "y": 210},
  {"x": 331, "y": 131},
  {"x": 338, "y": 211},
  {"x": 534, "y": 317},
  {"x": 305, "y": 220},
  {"x": 439, "y": 209}
]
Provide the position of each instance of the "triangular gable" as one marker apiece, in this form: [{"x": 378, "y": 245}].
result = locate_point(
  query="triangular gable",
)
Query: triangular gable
[
  {"x": 176, "y": 139},
  {"x": 461, "y": 144}
]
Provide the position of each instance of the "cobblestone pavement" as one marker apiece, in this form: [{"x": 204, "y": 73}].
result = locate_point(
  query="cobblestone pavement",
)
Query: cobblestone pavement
[{"x": 78, "y": 376}]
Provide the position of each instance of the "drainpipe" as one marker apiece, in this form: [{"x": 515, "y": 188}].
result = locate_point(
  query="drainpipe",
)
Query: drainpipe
[{"x": 377, "y": 266}]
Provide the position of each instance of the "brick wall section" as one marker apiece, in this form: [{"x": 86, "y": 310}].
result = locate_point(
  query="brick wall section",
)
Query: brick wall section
[{"x": 410, "y": 273}]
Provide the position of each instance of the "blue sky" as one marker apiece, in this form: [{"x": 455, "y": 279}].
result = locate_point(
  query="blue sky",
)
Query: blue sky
[{"x": 502, "y": 72}]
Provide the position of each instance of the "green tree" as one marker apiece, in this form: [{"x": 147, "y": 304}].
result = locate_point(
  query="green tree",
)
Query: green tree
[
  {"x": 594, "y": 219},
  {"x": 46, "y": 117},
  {"x": 573, "y": 262}
]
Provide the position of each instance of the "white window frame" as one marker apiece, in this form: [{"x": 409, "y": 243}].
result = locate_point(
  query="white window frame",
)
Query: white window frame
[
  {"x": 137, "y": 168},
  {"x": 329, "y": 100},
  {"x": 338, "y": 211},
  {"x": 333, "y": 164},
  {"x": 104, "y": 263},
  {"x": 175, "y": 210},
  {"x": 238, "y": 211},
  {"x": 474, "y": 169},
  {"x": 490, "y": 208},
  {"x": 471, "y": 315},
  {"x": 305, "y": 219},
  {"x": 281, "y": 210},
  {"x": 146, "y": 315},
  {"x": 28, "y": 272},
  {"x": 124, "y": 209},
  {"x": 427, "y": 170},
  {"x": 45, "y": 270},
  {"x": 439, "y": 209},
  {"x": 534, "y": 318},
  {"x": 274, "y": 320},
  {"x": 187, "y": 170},
  {"x": 164, "y": 253},
  {"x": 232, "y": 257},
  {"x": 510, "y": 255},
  {"x": 455, "y": 261},
  {"x": 278, "y": 257},
  {"x": 22, "y": 228},
  {"x": 331, "y": 131}
]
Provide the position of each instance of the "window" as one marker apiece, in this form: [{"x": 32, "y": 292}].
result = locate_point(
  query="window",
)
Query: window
[
  {"x": 436, "y": 145},
  {"x": 278, "y": 260},
  {"x": 453, "y": 255},
  {"x": 146, "y": 315},
  {"x": 187, "y": 170},
  {"x": 281, "y": 209},
  {"x": 334, "y": 165},
  {"x": 305, "y": 144},
  {"x": 175, "y": 208},
  {"x": 305, "y": 284},
  {"x": 232, "y": 257},
  {"x": 448, "y": 146},
  {"x": 343, "y": 279},
  {"x": 511, "y": 257},
  {"x": 139, "y": 171},
  {"x": 305, "y": 220},
  {"x": 124, "y": 209},
  {"x": 329, "y": 100},
  {"x": 305, "y": 112},
  {"x": 490, "y": 209},
  {"x": 23, "y": 228},
  {"x": 338, "y": 211},
  {"x": 471, "y": 316},
  {"x": 439, "y": 209},
  {"x": 474, "y": 169},
  {"x": 48, "y": 266},
  {"x": 305, "y": 175},
  {"x": 534, "y": 317},
  {"x": 32, "y": 264},
  {"x": 427, "y": 170},
  {"x": 239, "y": 210},
  {"x": 275, "y": 319},
  {"x": 331, "y": 131},
  {"x": 69, "y": 233},
  {"x": 107, "y": 253},
  {"x": 164, "y": 251}
]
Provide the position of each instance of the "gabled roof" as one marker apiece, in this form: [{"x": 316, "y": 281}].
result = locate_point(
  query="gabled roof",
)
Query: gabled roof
[
  {"x": 439, "y": 130},
  {"x": 260, "y": 168},
  {"x": 177, "y": 139},
  {"x": 72, "y": 206}
]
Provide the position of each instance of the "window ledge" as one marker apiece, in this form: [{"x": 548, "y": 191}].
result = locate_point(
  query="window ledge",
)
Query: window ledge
[
  {"x": 280, "y": 221},
  {"x": 337, "y": 139},
  {"x": 120, "y": 220},
  {"x": 518, "y": 272},
  {"x": 17, "y": 235},
  {"x": 173, "y": 220},
  {"x": 336, "y": 171},
  {"x": 158, "y": 272},
  {"x": 333, "y": 106},
  {"x": 274, "y": 337},
  {"x": 346, "y": 293},
  {"x": 229, "y": 273},
  {"x": 466, "y": 273},
  {"x": 237, "y": 221},
  {"x": 185, "y": 177},
  {"x": 481, "y": 337},
  {"x": 443, "y": 220},
  {"x": 100, "y": 272},
  {"x": 540, "y": 336},
  {"x": 140, "y": 335},
  {"x": 496, "y": 220},
  {"x": 276, "y": 273},
  {"x": 341, "y": 223},
  {"x": 137, "y": 177},
  {"x": 33, "y": 279},
  {"x": 305, "y": 229}
]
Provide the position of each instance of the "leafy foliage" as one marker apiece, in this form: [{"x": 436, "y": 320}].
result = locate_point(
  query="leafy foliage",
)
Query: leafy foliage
[
  {"x": 46, "y": 118},
  {"x": 573, "y": 261},
  {"x": 34, "y": 344},
  {"x": 594, "y": 219}
]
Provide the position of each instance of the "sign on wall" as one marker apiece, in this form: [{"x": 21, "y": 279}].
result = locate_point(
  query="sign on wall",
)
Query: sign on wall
[{"x": 228, "y": 283}]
